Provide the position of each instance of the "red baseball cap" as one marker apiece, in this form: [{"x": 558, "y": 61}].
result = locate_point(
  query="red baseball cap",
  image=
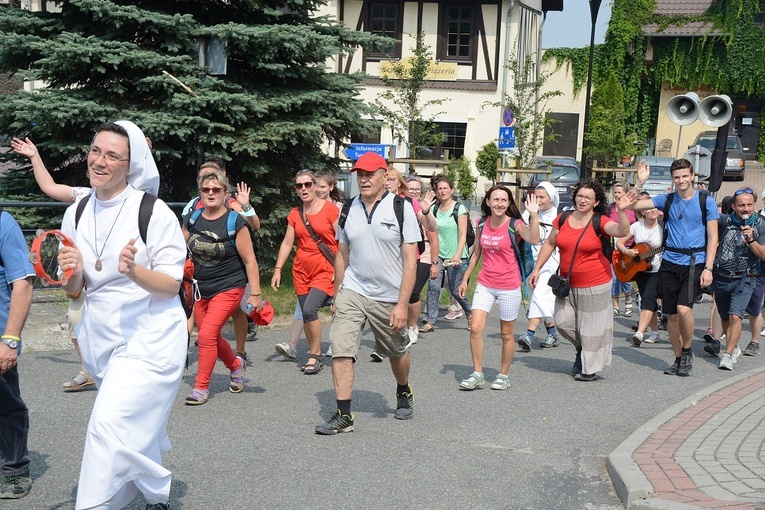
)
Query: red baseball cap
[
  {"x": 370, "y": 162},
  {"x": 264, "y": 316}
]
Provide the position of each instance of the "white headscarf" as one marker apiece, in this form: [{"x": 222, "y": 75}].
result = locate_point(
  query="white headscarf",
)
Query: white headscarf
[
  {"x": 551, "y": 191},
  {"x": 143, "y": 174}
]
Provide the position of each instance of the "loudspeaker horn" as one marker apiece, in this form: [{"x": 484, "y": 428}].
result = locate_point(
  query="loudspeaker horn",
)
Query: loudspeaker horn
[
  {"x": 715, "y": 111},
  {"x": 683, "y": 110}
]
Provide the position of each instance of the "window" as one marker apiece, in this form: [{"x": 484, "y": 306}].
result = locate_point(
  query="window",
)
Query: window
[
  {"x": 452, "y": 140},
  {"x": 457, "y": 33},
  {"x": 384, "y": 20},
  {"x": 370, "y": 137}
]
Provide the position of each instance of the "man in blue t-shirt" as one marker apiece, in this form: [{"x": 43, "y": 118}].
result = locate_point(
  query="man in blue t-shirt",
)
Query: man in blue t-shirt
[
  {"x": 375, "y": 270},
  {"x": 689, "y": 254},
  {"x": 16, "y": 282}
]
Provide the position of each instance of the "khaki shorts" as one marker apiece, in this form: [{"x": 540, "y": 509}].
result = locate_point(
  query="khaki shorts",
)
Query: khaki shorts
[
  {"x": 353, "y": 311},
  {"x": 74, "y": 313}
]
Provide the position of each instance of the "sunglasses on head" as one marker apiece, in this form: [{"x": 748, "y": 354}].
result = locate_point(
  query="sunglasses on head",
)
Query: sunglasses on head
[
  {"x": 211, "y": 190},
  {"x": 742, "y": 191},
  {"x": 306, "y": 185}
]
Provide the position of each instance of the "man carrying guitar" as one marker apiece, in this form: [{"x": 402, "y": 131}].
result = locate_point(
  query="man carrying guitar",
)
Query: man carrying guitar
[{"x": 641, "y": 263}]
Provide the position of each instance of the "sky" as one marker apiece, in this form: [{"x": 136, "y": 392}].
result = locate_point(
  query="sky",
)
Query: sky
[{"x": 559, "y": 26}]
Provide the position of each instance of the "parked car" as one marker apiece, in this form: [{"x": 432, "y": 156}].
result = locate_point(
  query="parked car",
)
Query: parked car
[
  {"x": 563, "y": 177},
  {"x": 555, "y": 160},
  {"x": 660, "y": 180},
  {"x": 734, "y": 164}
]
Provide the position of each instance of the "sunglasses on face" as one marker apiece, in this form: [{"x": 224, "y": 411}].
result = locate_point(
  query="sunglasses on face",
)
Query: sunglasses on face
[
  {"x": 211, "y": 190},
  {"x": 742, "y": 191},
  {"x": 306, "y": 185}
]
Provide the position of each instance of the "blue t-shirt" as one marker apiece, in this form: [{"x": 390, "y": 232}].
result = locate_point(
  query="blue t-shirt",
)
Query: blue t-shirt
[
  {"x": 15, "y": 265},
  {"x": 684, "y": 227}
]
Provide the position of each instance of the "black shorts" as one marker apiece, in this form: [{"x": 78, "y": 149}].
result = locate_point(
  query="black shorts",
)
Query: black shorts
[
  {"x": 423, "y": 273},
  {"x": 674, "y": 286},
  {"x": 648, "y": 286}
]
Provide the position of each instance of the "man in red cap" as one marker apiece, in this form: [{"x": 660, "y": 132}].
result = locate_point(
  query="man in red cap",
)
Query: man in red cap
[{"x": 375, "y": 269}]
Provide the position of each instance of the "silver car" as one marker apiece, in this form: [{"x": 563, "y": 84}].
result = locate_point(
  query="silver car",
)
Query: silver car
[{"x": 660, "y": 180}]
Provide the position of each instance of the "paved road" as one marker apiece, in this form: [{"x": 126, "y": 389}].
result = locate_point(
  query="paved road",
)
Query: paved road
[{"x": 541, "y": 444}]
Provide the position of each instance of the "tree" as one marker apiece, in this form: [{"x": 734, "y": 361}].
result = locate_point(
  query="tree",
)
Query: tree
[
  {"x": 606, "y": 140},
  {"x": 529, "y": 105},
  {"x": 400, "y": 105},
  {"x": 486, "y": 161},
  {"x": 104, "y": 60}
]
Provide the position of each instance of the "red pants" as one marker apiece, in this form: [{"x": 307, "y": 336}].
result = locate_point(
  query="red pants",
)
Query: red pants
[{"x": 211, "y": 315}]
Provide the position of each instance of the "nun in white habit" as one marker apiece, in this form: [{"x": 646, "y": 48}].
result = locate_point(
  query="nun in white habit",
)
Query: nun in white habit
[
  {"x": 542, "y": 303},
  {"x": 133, "y": 331}
]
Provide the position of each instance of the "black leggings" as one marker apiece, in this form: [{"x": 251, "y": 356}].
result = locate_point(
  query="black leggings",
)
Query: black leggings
[
  {"x": 423, "y": 273},
  {"x": 311, "y": 302}
]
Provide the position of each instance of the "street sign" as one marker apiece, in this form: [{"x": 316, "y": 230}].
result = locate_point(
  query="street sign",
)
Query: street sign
[
  {"x": 506, "y": 138},
  {"x": 508, "y": 117},
  {"x": 355, "y": 150}
]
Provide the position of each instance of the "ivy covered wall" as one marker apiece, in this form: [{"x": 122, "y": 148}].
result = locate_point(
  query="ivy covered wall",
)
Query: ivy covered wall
[{"x": 731, "y": 63}]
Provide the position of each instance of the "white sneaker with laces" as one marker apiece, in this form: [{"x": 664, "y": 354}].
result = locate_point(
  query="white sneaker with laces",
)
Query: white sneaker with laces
[
  {"x": 736, "y": 354},
  {"x": 652, "y": 338},
  {"x": 726, "y": 362}
]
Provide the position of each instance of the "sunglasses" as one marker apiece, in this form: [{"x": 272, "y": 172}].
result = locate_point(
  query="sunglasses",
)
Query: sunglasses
[
  {"x": 211, "y": 190},
  {"x": 742, "y": 191},
  {"x": 306, "y": 185}
]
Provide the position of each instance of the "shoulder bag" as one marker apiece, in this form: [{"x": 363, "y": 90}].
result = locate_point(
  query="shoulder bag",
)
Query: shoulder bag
[{"x": 560, "y": 286}]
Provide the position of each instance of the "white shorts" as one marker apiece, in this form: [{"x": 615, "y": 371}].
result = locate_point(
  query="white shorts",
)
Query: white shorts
[{"x": 509, "y": 301}]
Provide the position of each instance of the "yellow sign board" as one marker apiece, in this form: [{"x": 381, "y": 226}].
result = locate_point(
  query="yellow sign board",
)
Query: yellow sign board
[{"x": 442, "y": 71}]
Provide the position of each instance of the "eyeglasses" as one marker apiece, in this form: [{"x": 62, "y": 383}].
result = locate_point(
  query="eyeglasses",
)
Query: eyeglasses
[
  {"x": 211, "y": 190},
  {"x": 586, "y": 199},
  {"x": 415, "y": 190},
  {"x": 306, "y": 185},
  {"x": 108, "y": 156},
  {"x": 742, "y": 191}
]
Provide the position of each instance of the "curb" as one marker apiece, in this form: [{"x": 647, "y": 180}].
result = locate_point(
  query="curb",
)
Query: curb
[{"x": 631, "y": 485}]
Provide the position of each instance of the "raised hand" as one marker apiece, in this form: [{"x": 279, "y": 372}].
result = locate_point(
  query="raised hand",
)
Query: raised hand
[
  {"x": 127, "y": 258},
  {"x": 242, "y": 193},
  {"x": 427, "y": 199},
  {"x": 643, "y": 171},
  {"x": 532, "y": 205},
  {"x": 24, "y": 147},
  {"x": 626, "y": 200}
]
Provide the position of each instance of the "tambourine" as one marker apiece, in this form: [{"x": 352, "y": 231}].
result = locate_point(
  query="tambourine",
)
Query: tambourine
[{"x": 40, "y": 246}]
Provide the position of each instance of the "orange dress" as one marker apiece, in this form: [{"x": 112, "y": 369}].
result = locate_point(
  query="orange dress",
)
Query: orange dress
[{"x": 310, "y": 268}]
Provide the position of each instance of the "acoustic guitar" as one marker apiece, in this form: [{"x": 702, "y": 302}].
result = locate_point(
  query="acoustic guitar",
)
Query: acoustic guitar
[{"x": 626, "y": 267}]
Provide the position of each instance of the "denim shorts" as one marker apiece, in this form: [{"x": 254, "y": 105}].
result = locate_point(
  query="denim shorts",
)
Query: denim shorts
[{"x": 732, "y": 296}]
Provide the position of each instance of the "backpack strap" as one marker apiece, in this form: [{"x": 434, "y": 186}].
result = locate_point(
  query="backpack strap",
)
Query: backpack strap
[
  {"x": 80, "y": 209},
  {"x": 511, "y": 228},
  {"x": 144, "y": 214},
  {"x": 398, "y": 210},
  {"x": 230, "y": 225},
  {"x": 456, "y": 212},
  {"x": 344, "y": 212}
]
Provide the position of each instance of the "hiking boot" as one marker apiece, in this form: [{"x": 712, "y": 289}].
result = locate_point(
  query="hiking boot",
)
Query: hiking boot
[
  {"x": 577, "y": 368},
  {"x": 672, "y": 369},
  {"x": 286, "y": 350},
  {"x": 652, "y": 338},
  {"x": 236, "y": 385},
  {"x": 338, "y": 423},
  {"x": 451, "y": 315},
  {"x": 525, "y": 342},
  {"x": 712, "y": 348},
  {"x": 472, "y": 382},
  {"x": 726, "y": 362},
  {"x": 637, "y": 338},
  {"x": 686, "y": 364},
  {"x": 16, "y": 486},
  {"x": 501, "y": 382},
  {"x": 404, "y": 405},
  {"x": 753, "y": 349},
  {"x": 550, "y": 341}
]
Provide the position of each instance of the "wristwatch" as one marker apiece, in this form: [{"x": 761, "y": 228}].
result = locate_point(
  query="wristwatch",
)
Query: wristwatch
[
  {"x": 13, "y": 344},
  {"x": 425, "y": 212},
  {"x": 246, "y": 207},
  {"x": 434, "y": 262}
]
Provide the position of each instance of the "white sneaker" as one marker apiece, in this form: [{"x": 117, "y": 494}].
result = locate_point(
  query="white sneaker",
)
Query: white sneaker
[
  {"x": 726, "y": 361},
  {"x": 652, "y": 338},
  {"x": 736, "y": 354},
  {"x": 413, "y": 333},
  {"x": 637, "y": 338},
  {"x": 286, "y": 350},
  {"x": 762, "y": 333},
  {"x": 329, "y": 351},
  {"x": 454, "y": 315}
]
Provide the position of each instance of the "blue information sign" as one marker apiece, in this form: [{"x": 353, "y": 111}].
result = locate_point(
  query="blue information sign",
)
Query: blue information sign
[
  {"x": 506, "y": 138},
  {"x": 355, "y": 150}
]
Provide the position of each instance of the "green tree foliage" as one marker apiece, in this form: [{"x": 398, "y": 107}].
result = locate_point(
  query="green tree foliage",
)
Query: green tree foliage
[
  {"x": 104, "y": 60},
  {"x": 486, "y": 161},
  {"x": 411, "y": 119},
  {"x": 529, "y": 105},
  {"x": 464, "y": 183},
  {"x": 606, "y": 141}
]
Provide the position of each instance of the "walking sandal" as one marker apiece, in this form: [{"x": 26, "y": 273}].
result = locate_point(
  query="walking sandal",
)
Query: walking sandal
[{"x": 315, "y": 367}]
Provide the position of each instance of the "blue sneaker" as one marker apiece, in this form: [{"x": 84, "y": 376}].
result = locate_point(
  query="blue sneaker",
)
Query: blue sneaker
[
  {"x": 550, "y": 341},
  {"x": 525, "y": 342}
]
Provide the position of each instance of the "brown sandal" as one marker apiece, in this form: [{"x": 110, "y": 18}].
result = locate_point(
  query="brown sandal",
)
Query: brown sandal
[
  {"x": 315, "y": 367},
  {"x": 79, "y": 382},
  {"x": 427, "y": 328}
]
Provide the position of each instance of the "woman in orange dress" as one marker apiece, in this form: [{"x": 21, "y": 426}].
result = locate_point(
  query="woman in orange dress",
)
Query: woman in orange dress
[{"x": 312, "y": 269}]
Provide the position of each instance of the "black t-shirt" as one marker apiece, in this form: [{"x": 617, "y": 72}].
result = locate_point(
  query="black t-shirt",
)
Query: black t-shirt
[{"x": 217, "y": 266}]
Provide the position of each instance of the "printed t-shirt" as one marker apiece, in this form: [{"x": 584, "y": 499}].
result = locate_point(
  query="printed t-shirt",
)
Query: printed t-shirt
[
  {"x": 500, "y": 268},
  {"x": 591, "y": 267},
  {"x": 310, "y": 268},
  {"x": 652, "y": 236}
]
